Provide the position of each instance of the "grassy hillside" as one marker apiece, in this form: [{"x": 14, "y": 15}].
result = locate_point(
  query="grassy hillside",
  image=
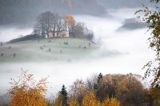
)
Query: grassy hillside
[{"x": 66, "y": 49}]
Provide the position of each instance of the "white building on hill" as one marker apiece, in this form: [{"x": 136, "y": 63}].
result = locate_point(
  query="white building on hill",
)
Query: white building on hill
[{"x": 58, "y": 34}]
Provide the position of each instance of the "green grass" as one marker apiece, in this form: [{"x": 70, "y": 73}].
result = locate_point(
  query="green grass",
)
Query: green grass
[{"x": 67, "y": 49}]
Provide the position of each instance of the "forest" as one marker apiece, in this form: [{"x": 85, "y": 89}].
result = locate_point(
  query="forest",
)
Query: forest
[{"x": 100, "y": 90}]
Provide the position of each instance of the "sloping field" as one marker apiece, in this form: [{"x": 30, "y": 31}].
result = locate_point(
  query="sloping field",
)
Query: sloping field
[{"x": 66, "y": 49}]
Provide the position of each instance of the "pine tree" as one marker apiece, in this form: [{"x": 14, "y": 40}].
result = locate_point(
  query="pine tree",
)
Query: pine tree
[
  {"x": 64, "y": 96},
  {"x": 100, "y": 76},
  {"x": 98, "y": 88}
]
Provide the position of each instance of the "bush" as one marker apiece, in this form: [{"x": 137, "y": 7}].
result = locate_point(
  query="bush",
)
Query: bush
[{"x": 27, "y": 92}]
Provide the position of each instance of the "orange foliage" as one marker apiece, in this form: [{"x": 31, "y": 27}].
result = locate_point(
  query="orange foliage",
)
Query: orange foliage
[
  {"x": 111, "y": 102},
  {"x": 27, "y": 92},
  {"x": 58, "y": 100},
  {"x": 155, "y": 93},
  {"x": 89, "y": 99},
  {"x": 73, "y": 102},
  {"x": 70, "y": 20}
]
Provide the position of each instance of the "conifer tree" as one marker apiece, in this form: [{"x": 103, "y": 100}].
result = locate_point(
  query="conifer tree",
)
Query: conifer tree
[
  {"x": 100, "y": 76},
  {"x": 64, "y": 96}
]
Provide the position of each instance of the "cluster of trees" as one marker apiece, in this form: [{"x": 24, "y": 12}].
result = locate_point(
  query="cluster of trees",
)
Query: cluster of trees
[
  {"x": 108, "y": 90},
  {"x": 52, "y": 22}
]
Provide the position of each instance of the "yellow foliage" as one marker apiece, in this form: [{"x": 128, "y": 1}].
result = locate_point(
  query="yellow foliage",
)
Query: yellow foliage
[
  {"x": 155, "y": 93},
  {"x": 58, "y": 100},
  {"x": 27, "y": 92},
  {"x": 110, "y": 102},
  {"x": 73, "y": 102},
  {"x": 156, "y": 31},
  {"x": 89, "y": 99},
  {"x": 70, "y": 20}
]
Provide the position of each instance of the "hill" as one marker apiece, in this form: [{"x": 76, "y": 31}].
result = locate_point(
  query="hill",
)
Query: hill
[
  {"x": 67, "y": 49},
  {"x": 25, "y": 38},
  {"x": 132, "y": 24}
]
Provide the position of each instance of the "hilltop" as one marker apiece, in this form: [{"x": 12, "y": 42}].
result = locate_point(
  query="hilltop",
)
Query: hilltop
[{"x": 25, "y": 49}]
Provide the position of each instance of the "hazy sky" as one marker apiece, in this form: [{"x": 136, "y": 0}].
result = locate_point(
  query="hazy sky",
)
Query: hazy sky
[{"x": 22, "y": 13}]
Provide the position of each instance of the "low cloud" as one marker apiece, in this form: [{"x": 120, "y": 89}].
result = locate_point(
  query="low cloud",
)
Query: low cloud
[{"x": 132, "y": 24}]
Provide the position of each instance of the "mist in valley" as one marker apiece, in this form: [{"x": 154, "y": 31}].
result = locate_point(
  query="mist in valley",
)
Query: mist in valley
[{"x": 119, "y": 48}]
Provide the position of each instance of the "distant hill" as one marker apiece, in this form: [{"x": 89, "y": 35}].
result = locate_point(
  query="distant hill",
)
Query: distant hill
[
  {"x": 123, "y": 3},
  {"x": 18, "y": 12},
  {"x": 132, "y": 24}
]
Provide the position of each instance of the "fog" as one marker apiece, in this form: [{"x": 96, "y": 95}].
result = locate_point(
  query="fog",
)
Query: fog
[
  {"x": 7, "y": 34},
  {"x": 131, "y": 47},
  {"x": 119, "y": 52}
]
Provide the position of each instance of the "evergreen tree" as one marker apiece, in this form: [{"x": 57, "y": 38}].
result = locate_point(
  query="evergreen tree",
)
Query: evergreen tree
[
  {"x": 100, "y": 76},
  {"x": 64, "y": 96}
]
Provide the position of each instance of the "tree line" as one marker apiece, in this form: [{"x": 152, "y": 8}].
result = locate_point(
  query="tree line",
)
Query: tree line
[
  {"x": 49, "y": 22},
  {"x": 100, "y": 90}
]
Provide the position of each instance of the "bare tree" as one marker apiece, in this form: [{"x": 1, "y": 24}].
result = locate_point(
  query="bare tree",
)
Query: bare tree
[
  {"x": 78, "y": 30},
  {"x": 48, "y": 22},
  {"x": 51, "y": 24}
]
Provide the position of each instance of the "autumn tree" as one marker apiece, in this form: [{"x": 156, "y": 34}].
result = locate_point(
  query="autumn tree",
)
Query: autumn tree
[
  {"x": 58, "y": 100},
  {"x": 130, "y": 91},
  {"x": 110, "y": 102},
  {"x": 70, "y": 23},
  {"x": 126, "y": 88},
  {"x": 106, "y": 86},
  {"x": 155, "y": 93},
  {"x": 152, "y": 18},
  {"x": 70, "y": 20},
  {"x": 26, "y": 91},
  {"x": 78, "y": 90},
  {"x": 73, "y": 102},
  {"x": 78, "y": 29},
  {"x": 89, "y": 99}
]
